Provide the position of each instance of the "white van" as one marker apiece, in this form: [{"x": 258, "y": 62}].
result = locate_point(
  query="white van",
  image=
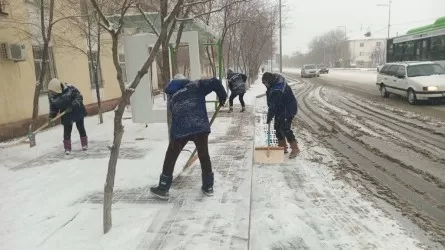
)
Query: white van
[
  {"x": 414, "y": 80},
  {"x": 309, "y": 70}
]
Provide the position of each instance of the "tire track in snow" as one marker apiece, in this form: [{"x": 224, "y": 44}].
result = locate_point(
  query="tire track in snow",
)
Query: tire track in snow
[
  {"x": 426, "y": 158},
  {"x": 392, "y": 187}
]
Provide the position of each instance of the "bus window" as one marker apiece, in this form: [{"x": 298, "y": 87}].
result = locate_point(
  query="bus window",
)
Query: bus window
[
  {"x": 417, "y": 46},
  {"x": 390, "y": 51},
  {"x": 424, "y": 51},
  {"x": 398, "y": 53},
  {"x": 410, "y": 51},
  {"x": 437, "y": 49}
]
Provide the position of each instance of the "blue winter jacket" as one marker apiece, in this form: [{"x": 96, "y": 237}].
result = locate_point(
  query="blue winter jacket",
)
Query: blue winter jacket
[
  {"x": 186, "y": 101},
  {"x": 69, "y": 98},
  {"x": 237, "y": 82},
  {"x": 281, "y": 100}
]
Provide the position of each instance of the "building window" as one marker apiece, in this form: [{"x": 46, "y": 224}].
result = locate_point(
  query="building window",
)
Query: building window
[
  {"x": 362, "y": 44},
  {"x": 50, "y": 71},
  {"x": 123, "y": 66},
  {"x": 378, "y": 44},
  {"x": 3, "y": 8},
  {"x": 94, "y": 67},
  {"x": 362, "y": 53}
]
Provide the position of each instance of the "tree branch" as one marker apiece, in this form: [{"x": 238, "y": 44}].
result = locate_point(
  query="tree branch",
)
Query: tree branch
[
  {"x": 64, "y": 18},
  {"x": 211, "y": 11},
  {"x": 106, "y": 23},
  {"x": 152, "y": 26}
]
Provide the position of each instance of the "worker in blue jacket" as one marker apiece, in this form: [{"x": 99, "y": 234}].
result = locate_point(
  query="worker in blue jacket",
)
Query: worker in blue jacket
[
  {"x": 283, "y": 106},
  {"x": 237, "y": 86},
  {"x": 187, "y": 104}
]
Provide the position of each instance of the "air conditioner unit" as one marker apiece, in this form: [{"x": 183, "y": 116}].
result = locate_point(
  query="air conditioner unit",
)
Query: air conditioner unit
[{"x": 14, "y": 52}]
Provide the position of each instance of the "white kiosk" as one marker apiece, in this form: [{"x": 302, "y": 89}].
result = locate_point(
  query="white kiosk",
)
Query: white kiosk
[{"x": 137, "y": 48}]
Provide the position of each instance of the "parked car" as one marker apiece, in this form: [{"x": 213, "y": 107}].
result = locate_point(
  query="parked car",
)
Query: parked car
[
  {"x": 309, "y": 70},
  {"x": 414, "y": 80},
  {"x": 324, "y": 69}
]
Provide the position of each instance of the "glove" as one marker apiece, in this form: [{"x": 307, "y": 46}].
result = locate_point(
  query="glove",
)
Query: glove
[{"x": 222, "y": 102}]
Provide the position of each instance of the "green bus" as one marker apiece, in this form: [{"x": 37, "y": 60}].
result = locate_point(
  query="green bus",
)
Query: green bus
[{"x": 426, "y": 43}]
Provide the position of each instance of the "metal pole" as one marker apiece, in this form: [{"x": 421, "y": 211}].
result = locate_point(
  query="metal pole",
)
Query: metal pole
[
  {"x": 281, "y": 43},
  {"x": 220, "y": 59},
  {"x": 389, "y": 18}
]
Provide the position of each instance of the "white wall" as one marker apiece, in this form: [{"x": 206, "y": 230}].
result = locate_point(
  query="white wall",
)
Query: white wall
[{"x": 368, "y": 48}]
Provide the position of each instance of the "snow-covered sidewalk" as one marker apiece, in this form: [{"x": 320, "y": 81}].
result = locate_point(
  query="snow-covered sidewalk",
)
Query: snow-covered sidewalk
[
  {"x": 52, "y": 201},
  {"x": 302, "y": 204}
]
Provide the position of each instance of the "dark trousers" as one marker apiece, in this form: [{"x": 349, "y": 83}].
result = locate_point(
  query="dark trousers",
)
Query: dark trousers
[
  {"x": 67, "y": 129},
  {"x": 233, "y": 95},
  {"x": 175, "y": 147},
  {"x": 283, "y": 129}
]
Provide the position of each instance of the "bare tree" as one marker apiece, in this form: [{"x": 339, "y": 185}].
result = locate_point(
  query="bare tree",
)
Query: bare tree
[
  {"x": 114, "y": 29},
  {"x": 249, "y": 36}
]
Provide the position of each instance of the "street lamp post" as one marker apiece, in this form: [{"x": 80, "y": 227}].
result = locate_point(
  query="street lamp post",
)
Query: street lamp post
[{"x": 389, "y": 14}]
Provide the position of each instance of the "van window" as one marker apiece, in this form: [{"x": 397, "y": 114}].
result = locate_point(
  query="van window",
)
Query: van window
[
  {"x": 392, "y": 70},
  {"x": 401, "y": 70},
  {"x": 384, "y": 70}
]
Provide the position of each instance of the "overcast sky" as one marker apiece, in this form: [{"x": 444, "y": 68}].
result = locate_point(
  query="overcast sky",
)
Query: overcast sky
[{"x": 306, "y": 19}]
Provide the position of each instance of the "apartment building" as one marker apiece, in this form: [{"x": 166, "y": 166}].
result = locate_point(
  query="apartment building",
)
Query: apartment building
[{"x": 21, "y": 51}]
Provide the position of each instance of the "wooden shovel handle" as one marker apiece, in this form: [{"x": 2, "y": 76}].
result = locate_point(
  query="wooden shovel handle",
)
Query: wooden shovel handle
[
  {"x": 47, "y": 124},
  {"x": 268, "y": 140}
]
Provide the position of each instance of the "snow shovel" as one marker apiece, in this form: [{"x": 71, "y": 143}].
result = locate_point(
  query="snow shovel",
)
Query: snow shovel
[
  {"x": 194, "y": 156},
  {"x": 269, "y": 154},
  {"x": 32, "y": 135}
]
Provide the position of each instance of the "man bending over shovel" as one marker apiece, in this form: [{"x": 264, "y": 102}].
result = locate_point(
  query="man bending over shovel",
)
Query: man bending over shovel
[
  {"x": 187, "y": 104},
  {"x": 283, "y": 107}
]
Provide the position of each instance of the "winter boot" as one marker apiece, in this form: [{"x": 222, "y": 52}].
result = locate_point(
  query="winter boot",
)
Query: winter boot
[
  {"x": 282, "y": 143},
  {"x": 243, "y": 109},
  {"x": 84, "y": 142},
  {"x": 67, "y": 146},
  {"x": 207, "y": 184},
  {"x": 230, "y": 109},
  {"x": 295, "y": 149},
  {"x": 161, "y": 191}
]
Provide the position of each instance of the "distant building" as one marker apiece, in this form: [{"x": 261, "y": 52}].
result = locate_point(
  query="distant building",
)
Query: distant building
[{"x": 365, "y": 52}]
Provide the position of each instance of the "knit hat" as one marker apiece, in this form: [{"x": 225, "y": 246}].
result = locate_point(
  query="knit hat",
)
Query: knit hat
[
  {"x": 179, "y": 77},
  {"x": 268, "y": 78},
  {"x": 55, "y": 85}
]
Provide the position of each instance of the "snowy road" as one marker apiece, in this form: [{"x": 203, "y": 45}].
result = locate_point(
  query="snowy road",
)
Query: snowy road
[
  {"x": 400, "y": 155},
  {"x": 362, "y": 83}
]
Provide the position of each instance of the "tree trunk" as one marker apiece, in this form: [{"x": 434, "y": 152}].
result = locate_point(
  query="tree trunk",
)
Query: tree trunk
[
  {"x": 126, "y": 94},
  {"x": 46, "y": 36},
  {"x": 114, "y": 155},
  {"x": 39, "y": 85},
  {"x": 99, "y": 73},
  {"x": 212, "y": 65}
]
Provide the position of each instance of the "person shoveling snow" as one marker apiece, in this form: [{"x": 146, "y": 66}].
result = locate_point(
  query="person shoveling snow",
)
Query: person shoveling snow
[
  {"x": 67, "y": 98},
  {"x": 186, "y": 101},
  {"x": 283, "y": 106}
]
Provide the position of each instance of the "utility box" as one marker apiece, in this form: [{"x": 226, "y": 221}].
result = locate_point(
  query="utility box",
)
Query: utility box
[{"x": 137, "y": 49}]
